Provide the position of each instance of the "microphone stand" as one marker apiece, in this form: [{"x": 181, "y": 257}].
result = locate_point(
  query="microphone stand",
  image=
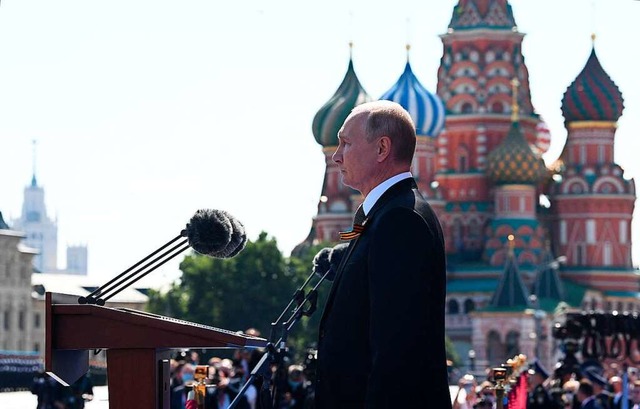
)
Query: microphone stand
[
  {"x": 275, "y": 354},
  {"x": 103, "y": 293}
]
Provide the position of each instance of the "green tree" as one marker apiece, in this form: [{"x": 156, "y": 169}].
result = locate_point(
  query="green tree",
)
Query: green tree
[
  {"x": 249, "y": 290},
  {"x": 452, "y": 354}
]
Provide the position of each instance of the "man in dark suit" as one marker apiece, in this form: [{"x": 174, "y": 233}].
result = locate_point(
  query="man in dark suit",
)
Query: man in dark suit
[
  {"x": 600, "y": 385},
  {"x": 381, "y": 339},
  {"x": 538, "y": 396},
  {"x": 586, "y": 396}
]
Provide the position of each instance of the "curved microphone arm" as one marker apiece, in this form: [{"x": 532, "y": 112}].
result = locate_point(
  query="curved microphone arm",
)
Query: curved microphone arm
[
  {"x": 263, "y": 367},
  {"x": 128, "y": 277}
]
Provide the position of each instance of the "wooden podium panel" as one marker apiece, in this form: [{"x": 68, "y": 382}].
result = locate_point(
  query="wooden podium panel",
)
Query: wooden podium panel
[{"x": 137, "y": 345}]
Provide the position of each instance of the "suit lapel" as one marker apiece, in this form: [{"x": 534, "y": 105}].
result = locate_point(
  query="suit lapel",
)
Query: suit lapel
[
  {"x": 406, "y": 184},
  {"x": 336, "y": 280}
]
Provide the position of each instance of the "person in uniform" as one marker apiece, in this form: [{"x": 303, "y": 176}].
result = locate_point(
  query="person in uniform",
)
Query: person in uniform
[
  {"x": 600, "y": 385},
  {"x": 539, "y": 397}
]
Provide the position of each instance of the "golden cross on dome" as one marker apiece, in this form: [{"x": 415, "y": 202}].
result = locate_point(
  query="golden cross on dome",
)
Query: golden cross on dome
[{"x": 514, "y": 98}]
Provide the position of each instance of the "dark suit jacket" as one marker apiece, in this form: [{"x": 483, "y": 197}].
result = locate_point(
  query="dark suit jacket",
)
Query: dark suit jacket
[
  {"x": 592, "y": 404},
  {"x": 381, "y": 342}
]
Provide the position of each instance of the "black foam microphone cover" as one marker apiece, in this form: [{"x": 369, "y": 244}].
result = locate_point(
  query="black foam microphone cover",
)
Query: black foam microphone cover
[
  {"x": 335, "y": 257},
  {"x": 209, "y": 231},
  {"x": 321, "y": 262},
  {"x": 237, "y": 241}
]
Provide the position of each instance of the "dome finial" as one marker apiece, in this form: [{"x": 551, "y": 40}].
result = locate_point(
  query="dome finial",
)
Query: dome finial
[
  {"x": 593, "y": 38},
  {"x": 33, "y": 158},
  {"x": 350, "y": 50},
  {"x": 408, "y": 45},
  {"x": 514, "y": 100},
  {"x": 512, "y": 243}
]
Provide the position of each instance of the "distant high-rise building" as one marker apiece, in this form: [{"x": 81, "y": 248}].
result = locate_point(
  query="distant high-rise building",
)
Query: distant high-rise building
[
  {"x": 77, "y": 259},
  {"x": 41, "y": 233}
]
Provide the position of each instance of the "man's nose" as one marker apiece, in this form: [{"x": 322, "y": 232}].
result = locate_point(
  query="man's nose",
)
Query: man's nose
[{"x": 337, "y": 156}]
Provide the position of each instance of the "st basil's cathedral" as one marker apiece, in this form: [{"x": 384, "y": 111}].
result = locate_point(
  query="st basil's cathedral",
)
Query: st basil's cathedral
[{"x": 523, "y": 238}]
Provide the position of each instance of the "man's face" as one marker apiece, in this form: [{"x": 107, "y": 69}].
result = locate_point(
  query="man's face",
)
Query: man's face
[{"x": 355, "y": 156}]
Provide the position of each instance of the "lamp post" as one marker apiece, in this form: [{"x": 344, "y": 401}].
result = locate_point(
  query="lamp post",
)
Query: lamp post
[
  {"x": 538, "y": 315},
  {"x": 472, "y": 361}
]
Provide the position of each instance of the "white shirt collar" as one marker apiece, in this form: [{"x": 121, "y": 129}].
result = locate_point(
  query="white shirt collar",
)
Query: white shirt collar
[{"x": 379, "y": 190}]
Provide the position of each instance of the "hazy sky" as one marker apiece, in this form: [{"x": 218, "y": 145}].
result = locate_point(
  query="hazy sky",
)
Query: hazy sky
[{"x": 145, "y": 111}]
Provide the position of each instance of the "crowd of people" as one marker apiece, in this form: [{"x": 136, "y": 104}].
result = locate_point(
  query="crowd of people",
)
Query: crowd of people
[
  {"x": 17, "y": 369},
  {"x": 54, "y": 395},
  {"x": 591, "y": 386},
  {"x": 289, "y": 385}
]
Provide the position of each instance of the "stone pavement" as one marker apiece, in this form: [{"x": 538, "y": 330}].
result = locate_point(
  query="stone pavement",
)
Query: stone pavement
[{"x": 26, "y": 400}]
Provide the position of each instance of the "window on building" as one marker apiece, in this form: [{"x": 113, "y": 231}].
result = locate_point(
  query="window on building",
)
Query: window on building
[
  {"x": 580, "y": 257},
  {"x": 36, "y": 346},
  {"x": 512, "y": 343},
  {"x": 495, "y": 349},
  {"x": 458, "y": 240},
  {"x": 506, "y": 204},
  {"x": 497, "y": 108},
  {"x": 601, "y": 157},
  {"x": 469, "y": 306},
  {"x": 36, "y": 320},
  {"x": 462, "y": 163},
  {"x": 563, "y": 232},
  {"x": 590, "y": 226},
  {"x": 7, "y": 320},
  {"x": 622, "y": 227},
  {"x": 21, "y": 319},
  {"x": 466, "y": 108},
  {"x": 607, "y": 256},
  {"x": 454, "y": 308}
]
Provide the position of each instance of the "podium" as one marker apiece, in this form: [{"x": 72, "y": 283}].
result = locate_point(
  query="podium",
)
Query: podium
[{"x": 138, "y": 346}]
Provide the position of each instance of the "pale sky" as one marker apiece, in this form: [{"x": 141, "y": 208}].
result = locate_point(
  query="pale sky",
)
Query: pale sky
[{"x": 146, "y": 110}]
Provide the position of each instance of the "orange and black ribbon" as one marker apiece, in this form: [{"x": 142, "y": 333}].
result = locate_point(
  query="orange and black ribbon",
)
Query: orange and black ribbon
[{"x": 358, "y": 226}]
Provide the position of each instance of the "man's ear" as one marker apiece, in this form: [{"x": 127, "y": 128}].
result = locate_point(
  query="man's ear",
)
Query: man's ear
[{"x": 384, "y": 148}]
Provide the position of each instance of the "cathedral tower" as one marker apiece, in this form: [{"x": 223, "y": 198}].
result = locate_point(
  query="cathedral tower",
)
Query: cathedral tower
[
  {"x": 482, "y": 53},
  {"x": 592, "y": 202}
]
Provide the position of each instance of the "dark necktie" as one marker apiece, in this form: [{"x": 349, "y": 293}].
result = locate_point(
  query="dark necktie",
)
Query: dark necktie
[{"x": 358, "y": 225}]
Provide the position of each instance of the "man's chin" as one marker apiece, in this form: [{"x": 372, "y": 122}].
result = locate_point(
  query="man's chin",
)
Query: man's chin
[{"x": 346, "y": 182}]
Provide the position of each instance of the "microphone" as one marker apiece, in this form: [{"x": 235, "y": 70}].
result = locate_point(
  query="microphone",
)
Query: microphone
[
  {"x": 326, "y": 262},
  {"x": 214, "y": 233},
  {"x": 321, "y": 262}
]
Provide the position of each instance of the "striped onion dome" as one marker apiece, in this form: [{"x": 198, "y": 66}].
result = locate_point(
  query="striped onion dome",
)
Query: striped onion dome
[
  {"x": 513, "y": 161},
  {"x": 592, "y": 96},
  {"x": 333, "y": 113},
  {"x": 482, "y": 14},
  {"x": 425, "y": 108}
]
